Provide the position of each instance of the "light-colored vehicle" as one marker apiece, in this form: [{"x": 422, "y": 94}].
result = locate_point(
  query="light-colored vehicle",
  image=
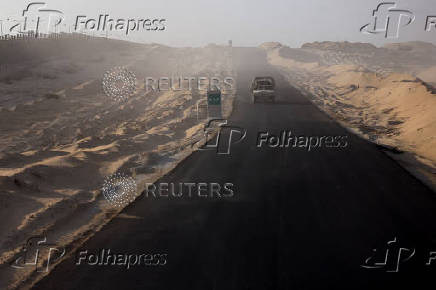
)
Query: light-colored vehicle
[{"x": 262, "y": 88}]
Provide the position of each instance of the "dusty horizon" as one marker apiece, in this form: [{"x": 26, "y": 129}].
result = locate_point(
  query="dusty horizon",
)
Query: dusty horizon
[{"x": 195, "y": 23}]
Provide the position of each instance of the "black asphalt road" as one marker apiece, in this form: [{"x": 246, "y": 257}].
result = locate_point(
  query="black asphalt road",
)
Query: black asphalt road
[{"x": 297, "y": 220}]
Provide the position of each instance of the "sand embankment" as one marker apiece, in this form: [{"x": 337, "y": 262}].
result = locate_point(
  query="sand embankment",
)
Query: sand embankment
[{"x": 390, "y": 107}]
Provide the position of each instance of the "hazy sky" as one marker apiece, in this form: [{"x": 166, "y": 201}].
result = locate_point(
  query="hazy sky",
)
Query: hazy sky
[{"x": 246, "y": 22}]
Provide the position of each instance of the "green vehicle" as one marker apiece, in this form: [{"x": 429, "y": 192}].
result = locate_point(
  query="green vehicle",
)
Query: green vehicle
[
  {"x": 213, "y": 96},
  {"x": 214, "y": 100}
]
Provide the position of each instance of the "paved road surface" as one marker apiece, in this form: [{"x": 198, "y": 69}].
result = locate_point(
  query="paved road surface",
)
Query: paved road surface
[{"x": 298, "y": 219}]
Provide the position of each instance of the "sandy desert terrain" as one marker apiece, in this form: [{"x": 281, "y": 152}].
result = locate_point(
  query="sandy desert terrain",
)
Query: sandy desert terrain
[
  {"x": 60, "y": 135},
  {"x": 386, "y": 94}
]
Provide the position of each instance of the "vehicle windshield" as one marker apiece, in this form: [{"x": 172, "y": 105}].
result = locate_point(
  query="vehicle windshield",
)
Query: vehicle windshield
[{"x": 263, "y": 85}]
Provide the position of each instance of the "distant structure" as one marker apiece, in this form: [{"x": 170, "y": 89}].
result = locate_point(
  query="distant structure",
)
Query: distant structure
[{"x": 229, "y": 54}]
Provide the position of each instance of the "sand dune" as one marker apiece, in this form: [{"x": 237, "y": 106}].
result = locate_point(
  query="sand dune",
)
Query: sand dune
[
  {"x": 389, "y": 106},
  {"x": 59, "y": 141}
]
